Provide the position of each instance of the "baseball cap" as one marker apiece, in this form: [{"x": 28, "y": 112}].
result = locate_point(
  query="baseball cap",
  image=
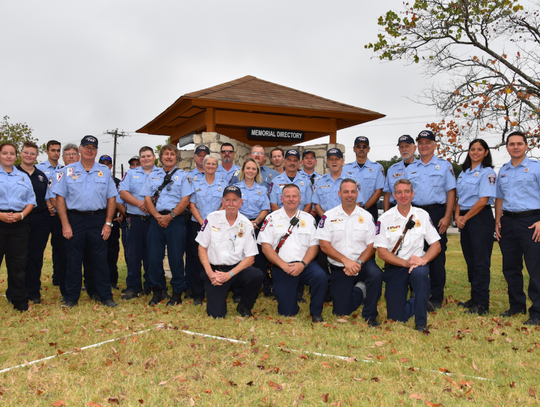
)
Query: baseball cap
[
  {"x": 234, "y": 189},
  {"x": 292, "y": 152},
  {"x": 426, "y": 134},
  {"x": 405, "y": 139},
  {"x": 306, "y": 152},
  {"x": 361, "y": 139},
  {"x": 334, "y": 151},
  {"x": 134, "y": 158},
  {"x": 105, "y": 159},
  {"x": 202, "y": 148},
  {"x": 87, "y": 140}
]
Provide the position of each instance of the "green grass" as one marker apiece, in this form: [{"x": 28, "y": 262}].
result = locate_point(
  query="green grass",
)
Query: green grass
[{"x": 277, "y": 362}]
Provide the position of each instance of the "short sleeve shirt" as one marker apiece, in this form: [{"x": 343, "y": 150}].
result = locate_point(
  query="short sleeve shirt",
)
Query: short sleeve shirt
[{"x": 475, "y": 184}]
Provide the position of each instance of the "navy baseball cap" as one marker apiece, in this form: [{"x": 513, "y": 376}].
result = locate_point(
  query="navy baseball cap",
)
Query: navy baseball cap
[
  {"x": 405, "y": 139},
  {"x": 334, "y": 151},
  {"x": 87, "y": 140},
  {"x": 234, "y": 189},
  {"x": 134, "y": 158},
  {"x": 306, "y": 152},
  {"x": 361, "y": 139},
  {"x": 292, "y": 152},
  {"x": 202, "y": 148},
  {"x": 105, "y": 159},
  {"x": 426, "y": 134}
]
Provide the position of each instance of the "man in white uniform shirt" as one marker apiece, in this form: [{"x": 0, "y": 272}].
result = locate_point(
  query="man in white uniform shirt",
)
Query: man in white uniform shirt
[
  {"x": 346, "y": 234},
  {"x": 399, "y": 240},
  {"x": 227, "y": 250},
  {"x": 291, "y": 232}
]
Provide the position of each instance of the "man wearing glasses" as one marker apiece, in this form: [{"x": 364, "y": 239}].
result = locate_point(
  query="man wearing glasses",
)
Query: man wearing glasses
[
  {"x": 227, "y": 169},
  {"x": 86, "y": 203}
]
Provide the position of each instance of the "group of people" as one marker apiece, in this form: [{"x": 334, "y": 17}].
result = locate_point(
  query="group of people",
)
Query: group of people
[{"x": 243, "y": 228}]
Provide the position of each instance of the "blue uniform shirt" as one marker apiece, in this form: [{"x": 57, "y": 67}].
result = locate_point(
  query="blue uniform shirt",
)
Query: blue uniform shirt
[
  {"x": 16, "y": 190},
  {"x": 315, "y": 176},
  {"x": 255, "y": 199},
  {"x": 207, "y": 197},
  {"x": 300, "y": 180},
  {"x": 85, "y": 191},
  {"x": 227, "y": 175},
  {"x": 267, "y": 174},
  {"x": 431, "y": 181},
  {"x": 133, "y": 182},
  {"x": 475, "y": 184},
  {"x": 370, "y": 177},
  {"x": 519, "y": 186},
  {"x": 195, "y": 174},
  {"x": 395, "y": 172},
  {"x": 48, "y": 169},
  {"x": 170, "y": 195},
  {"x": 325, "y": 191}
]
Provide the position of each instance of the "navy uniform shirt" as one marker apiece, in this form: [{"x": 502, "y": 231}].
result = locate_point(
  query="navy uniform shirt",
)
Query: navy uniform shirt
[
  {"x": 475, "y": 184},
  {"x": 395, "y": 172},
  {"x": 431, "y": 181},
  {"x": 325, "y": 191},
  {"x": 519, "y": 187},
  {"x": 170, "y": 195},
  {"x": 370, "y": 177},
  {"x": 207, "y": 197},
  {"x": 82, "y": 190},
  {"x": 39, "y": 184},
  {"x": 15, "y": 190},
  {"x": 255, "y": 199},
  {"x": 133, "y": 183},
  {"x": 276, "y": 189}
]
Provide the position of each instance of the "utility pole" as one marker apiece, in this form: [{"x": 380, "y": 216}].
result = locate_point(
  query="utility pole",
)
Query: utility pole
[{"x": 116, "y": 134}]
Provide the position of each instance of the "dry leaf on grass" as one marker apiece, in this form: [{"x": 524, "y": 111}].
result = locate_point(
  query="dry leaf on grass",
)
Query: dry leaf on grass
[
  {"x": 474, "y": 366},
  {"x": 532, "y": 392},
  {"x": 416, "y": 396},
  {"x": 325, "y": 397},
  {"x": 92, "y": 404},
  {"x": 275, "y": 386},
  {"x": 59, "y": 403}
]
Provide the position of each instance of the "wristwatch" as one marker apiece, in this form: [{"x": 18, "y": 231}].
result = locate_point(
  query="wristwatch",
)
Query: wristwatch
[
  {"x": 172, "y": 215},
  {"x": 109, "y": 224},
  {"x": 359, "y": 261},
  {"x": 304, "y": 263}
]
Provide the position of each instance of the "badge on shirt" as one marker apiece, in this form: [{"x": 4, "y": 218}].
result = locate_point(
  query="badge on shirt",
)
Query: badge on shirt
[
  {"x": 476, "y": 174},
  {"x": 241, "y": 229},
  {"x": 321, "y": 222},
  {"x": 176, "y": 178},
  {"x": 302, "y": 223},
  {"x": 302, "y": 183},
  {"x": 204, "y": 225},
  {"x": 100, "y": 174},
  {"x": 417, "y": 224},
  {"x": 215, "y": 229},
  {"x": 258, "y": 192},
  {"x": 360, "y": 219},
  {"x": 491, "y": 179},
  {"x": 397, "y": 174},
  {"x": 219, "y": 189},
  {"x": 371, "y": 170},
  {"x": 526, "y": 169},
  {"x": 378, "y": 228},
  {"x": 70, "y": 171},
  {"x": 437, "y": 167},
  {"x": 40, "y": 177}
]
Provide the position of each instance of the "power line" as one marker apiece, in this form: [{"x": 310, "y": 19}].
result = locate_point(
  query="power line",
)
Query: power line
[{"x": 116, "y": 134}]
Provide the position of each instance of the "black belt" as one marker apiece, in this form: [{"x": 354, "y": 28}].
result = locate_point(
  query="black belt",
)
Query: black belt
[
  {"x": 465, "y": 211},
  {"x": 523, "y": 214},
  {"x": 9, "y": 210},
  {"x": 86, "y": 213},
  {"x": 167, "y": 212},
  {"x": 429, "y": 207},
  {"x": 223, "y": 267},
  {"x": 142, "y": 217}
]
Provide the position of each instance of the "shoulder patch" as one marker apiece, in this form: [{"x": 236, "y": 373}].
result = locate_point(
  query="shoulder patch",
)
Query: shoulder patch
[
  {"x": 204, "y": 225},
  {"x": 492, "y": 178},
  {"x": 270, "y": 189},
  {"x": 59, "y": 175},
  {"x": 264, "y": 224},
  {"x": 321, "y": 222},
  {"x": 378, "y": 228}
]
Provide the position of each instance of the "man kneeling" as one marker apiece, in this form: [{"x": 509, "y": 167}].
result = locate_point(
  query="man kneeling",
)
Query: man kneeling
[
  {"x": 399, "y": 242},
  {"x": 227, "y": 249},
  {"x": 288, "y": 241}
]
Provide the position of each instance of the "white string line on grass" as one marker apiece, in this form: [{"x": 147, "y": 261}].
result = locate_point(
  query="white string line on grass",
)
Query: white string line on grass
[{"x": 221, "y": 338}]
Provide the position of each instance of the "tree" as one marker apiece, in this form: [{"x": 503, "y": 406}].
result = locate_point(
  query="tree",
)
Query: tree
[
  {"x": 490, "y": 50},
  {"x": 388, "y": 163},
  {"x": 17, "y": 133}
]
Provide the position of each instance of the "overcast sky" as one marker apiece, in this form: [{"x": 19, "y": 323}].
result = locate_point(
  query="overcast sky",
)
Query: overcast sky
[{"x": 71, "y": 68}]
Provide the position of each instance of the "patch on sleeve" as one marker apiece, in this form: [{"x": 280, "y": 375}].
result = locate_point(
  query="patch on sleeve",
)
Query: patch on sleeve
[
  {"x": 59, "y": 176},
  {"x": 452, "y": 170},
  {"x": 358, "y": 186},
  {"x": 49, "y": 184},
  {"x": 491, "y": 179},
  {"x": 124, "y": 177},
  {"x": 271, "y": 186},
  {"x": 321, "y": 222},
  {"x": 378, "y": 228},
  {"x": 265, "y": 223},
  {"x": 253, "y": 234},
  {"x": 204, "y": 225}
]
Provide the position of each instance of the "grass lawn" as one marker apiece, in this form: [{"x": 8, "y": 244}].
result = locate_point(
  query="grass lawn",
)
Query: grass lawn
[{"x": 155, "y": 356}]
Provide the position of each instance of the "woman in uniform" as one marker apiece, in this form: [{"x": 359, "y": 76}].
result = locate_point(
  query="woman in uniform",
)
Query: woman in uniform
[
  {"x": 17, "y": 199},
  {"x": 206, "y": 199},
  {"x": 475, "y": 195}
]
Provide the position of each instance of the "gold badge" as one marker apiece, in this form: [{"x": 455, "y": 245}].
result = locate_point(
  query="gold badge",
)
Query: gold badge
[
  {"x": 302, "y": 223},
  {"x": 360, "y": 219},
  {"x": 417, "y": 223},
  {"x": 100, "y": 174}
]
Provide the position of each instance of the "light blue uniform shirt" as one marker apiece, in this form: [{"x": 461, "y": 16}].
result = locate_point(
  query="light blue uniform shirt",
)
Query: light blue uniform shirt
[
  {"x": 48, "y": 169},
  {"x": 195, "y": 174},
  {"x": 255, "y": 199},
  {"x": 267, "y": 174},
  {"x": 133, "y": 183},
  {"x": 519, "y": 186},
  {"x": 207, "y": 197},
  {"x": 431, "y": 181},
  {"x": 316, "y": 176},
  {"x": 170, "y": 195},
  {"x": 276, "y": 188},
  {"x": 227, "y": 175},
  {"x": 370, "y": 177},
  {"x": 395, "y": 172},
  {"x": 85, "y": 191},
  {"x": 475, "y": 184},
  {"x": 325, "y": 191},
  {"x": 16, "y": 190}
]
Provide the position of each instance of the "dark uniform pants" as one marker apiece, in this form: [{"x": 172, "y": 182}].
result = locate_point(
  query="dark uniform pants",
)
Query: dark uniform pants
[
  {"x": 516, "y": 242},
  {"x": 58, "y": 244},
  {"x": 397, "y": 281},
  {"x": 193, "y": 264},
  {"x": 87, "y": 233},
  {"x": 14, "y": 246},
  {"x": 248, "y": 280},
  {"x": 174, "y": 237},
  {"x": 285, "y": 288},
  {"x": 346, "y": 298},
  {"x": 136, "y": 252},
  {"x": 477, "y": 245},
  {"x": 39, "y": 235},
  {"x": 437, "y": 270},
  {"x": 113, "y": 251}
]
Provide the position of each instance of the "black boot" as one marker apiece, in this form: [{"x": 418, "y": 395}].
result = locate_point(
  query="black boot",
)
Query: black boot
[{"x": 156, "y": 297}]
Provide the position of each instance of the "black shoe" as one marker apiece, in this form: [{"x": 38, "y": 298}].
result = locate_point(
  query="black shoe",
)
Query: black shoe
[
  {"x": 36, "y": 300},
  {"x": 466, "y": 304},
  {"x": 95, "y": 297},
  {"x": 123, "y": 290},
  {"x": 129, "y": 295},
  {"x": 175, "y": 299},
  {"x": 477, "y": 309},
  {"x": 197, "y": 301},
  {"x": 317, "y": 318},
  {"x": 147, "y": 290},
  {"x": 242, "y": 310},
  {"x": 433, "y": 306},
  {"x": 21, "y": 308},
  {"x": 68, "y": 304},
  {"x": 301, "y": 299},
  {"x": 511, "y": 313},
  {"x": 115, "y": 287},
  {"x": 156, "y": 298},
  {"x": 532, "y": 321},
  {"x": 188, "y": 293},
  {"x": 269, "y": 295},
  {"x": 165, "y": 294},
  {"x": 109, "y": 303},
  {"x": 236, "y": 299},
  {"x": 422, "y": 328},
  {"x": 373, "y": 323}
]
